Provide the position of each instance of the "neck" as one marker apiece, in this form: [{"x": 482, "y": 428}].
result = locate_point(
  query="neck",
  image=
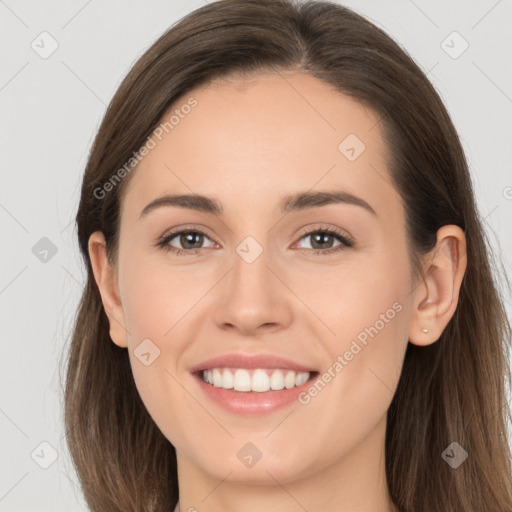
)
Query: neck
[{"x": 356, "y": 481}]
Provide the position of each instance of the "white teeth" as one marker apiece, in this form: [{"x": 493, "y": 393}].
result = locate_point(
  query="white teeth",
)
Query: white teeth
[
  {"x": 259, "y": 380},
  {"x": 217, "y": 378},
  {"x": 301, "y": 378},
  {"x": 289, "y": 380},
  {"x": 277, "y": 380},
  {"x": 227, "y": 380},
  {"x": 242, "y": 380}
]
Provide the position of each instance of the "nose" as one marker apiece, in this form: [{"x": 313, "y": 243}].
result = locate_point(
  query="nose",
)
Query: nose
[{"x": 253, "y": 297}]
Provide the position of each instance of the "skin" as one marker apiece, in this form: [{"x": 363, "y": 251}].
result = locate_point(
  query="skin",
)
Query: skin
[{"x": 248, "y": 143}]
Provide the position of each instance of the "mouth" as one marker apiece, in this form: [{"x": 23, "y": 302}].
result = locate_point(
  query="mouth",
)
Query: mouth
[
  {"x": 252, "y": 384},
  {"x": 257, "y": 380}
]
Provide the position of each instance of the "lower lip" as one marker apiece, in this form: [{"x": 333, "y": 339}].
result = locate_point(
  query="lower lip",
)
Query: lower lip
[{"x": 252, "y": 402}]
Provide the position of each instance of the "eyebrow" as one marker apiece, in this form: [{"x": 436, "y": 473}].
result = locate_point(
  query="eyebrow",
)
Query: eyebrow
[{"x": 295, "y": 202}]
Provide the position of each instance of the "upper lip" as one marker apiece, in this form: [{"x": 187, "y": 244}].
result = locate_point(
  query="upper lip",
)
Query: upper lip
[{"x": 253, "y": 361}]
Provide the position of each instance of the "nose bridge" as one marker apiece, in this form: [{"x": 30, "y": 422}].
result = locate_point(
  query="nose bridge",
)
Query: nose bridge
[
  {"x": 255, "y": 252},
  {"x": 250, "y": 275},
  {"x": 252, "y": 295}
]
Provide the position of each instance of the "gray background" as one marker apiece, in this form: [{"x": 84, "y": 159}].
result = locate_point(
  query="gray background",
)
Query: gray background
[{"x": 51, "y": 108}]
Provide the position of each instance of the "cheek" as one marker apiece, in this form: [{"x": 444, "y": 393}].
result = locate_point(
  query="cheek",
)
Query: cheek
[
  {"x": 365, "y": 307},
  {"x": 152, "y": 305},
  {"x": 155, "y": 308},
  {"x": 155, "y": 298},
  {"x": 360, "y": 301},
  {"x": 365, "y": 356}
]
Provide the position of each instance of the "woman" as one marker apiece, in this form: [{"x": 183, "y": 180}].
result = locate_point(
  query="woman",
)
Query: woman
[{"x": 257, "y": 368}]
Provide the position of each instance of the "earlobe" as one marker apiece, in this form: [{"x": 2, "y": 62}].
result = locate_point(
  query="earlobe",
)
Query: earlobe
[
  {"x": 105, "y": 278},
  {"x": 436, "y": 299}
]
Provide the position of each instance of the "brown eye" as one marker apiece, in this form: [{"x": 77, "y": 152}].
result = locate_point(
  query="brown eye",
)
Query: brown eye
[
  {"x": 191, "y": 241},
  {"x": 322, "y": 241}
]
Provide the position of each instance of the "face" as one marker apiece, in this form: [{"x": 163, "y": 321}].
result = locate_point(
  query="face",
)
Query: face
[{"x": 296, "y": 288}]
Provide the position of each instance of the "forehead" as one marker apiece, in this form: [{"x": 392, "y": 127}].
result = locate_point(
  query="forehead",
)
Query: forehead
[{"x": 249, "y": 142}]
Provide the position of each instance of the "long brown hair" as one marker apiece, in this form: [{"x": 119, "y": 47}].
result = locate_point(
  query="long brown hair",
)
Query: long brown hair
[{"x": 452, "y": 390}]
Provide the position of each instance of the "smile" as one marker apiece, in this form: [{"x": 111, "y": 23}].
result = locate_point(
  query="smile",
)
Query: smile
[
  {"x": 258, "y": 380},
  {"x": 252, "y": 384}
]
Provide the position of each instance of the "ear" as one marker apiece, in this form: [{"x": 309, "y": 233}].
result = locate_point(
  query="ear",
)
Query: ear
[
  {"x": 106, "y": 279},
  {"x": 435, "y": 299}
]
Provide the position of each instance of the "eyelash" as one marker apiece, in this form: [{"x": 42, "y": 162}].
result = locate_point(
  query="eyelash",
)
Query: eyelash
[{"x": 346, "y": 241}]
